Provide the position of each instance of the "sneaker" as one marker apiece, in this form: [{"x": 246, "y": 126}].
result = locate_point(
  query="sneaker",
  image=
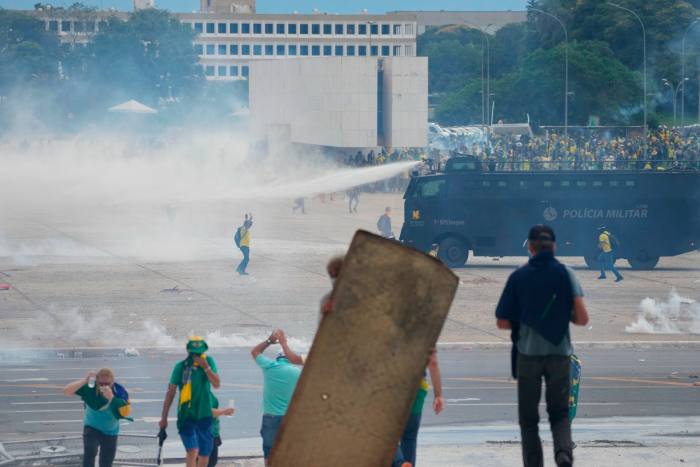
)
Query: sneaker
[
  {"x": 563, "y": 459},
  {"x": 619, "y": 279},
  {"x": 601, "y": 277}
]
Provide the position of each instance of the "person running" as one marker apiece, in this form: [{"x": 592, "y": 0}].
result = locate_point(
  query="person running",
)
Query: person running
[
  {"x": 384, "y": 224},
  {"x": 280, "y": 378},
  {"x": 243, "y": 242},
  {"x": 606, "y": 259},
  {"x": 299, "y": 204},
  {"x": 538, "y": 302},
  {"x": 194, "y": 377},
  {"x": 353, "y": 199},
  {"x": 105, "y": 403}
]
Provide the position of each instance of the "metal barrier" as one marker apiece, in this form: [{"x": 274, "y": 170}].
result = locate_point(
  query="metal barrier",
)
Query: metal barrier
[{"x": 132, "y": 450}]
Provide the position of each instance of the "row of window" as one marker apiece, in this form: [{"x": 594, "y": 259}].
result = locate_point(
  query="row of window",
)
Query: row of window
[
  {"x": 233, "y": 71},
  {"x": 293, "y": 50},
  {"x": 305, "y": 29},
  {"x": 73, "y": 26}
]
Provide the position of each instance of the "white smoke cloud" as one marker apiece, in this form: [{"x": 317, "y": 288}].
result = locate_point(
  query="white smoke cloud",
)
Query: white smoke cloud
[
  {"x": 676, "y": 315},
  {"x": 79, "y": 328}
]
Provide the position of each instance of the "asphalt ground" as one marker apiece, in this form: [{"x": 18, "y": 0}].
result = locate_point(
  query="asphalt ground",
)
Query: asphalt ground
[
  {"x": 477, "y": 388},
  {"x": 144, "y": 276}
]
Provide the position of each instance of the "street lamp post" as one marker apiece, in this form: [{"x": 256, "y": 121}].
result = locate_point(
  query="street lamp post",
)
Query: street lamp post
[
  {"x": 685, "y": 34},
  {"x": 566, "y": 67},
  {"x": 485, "y": 93},
  {"x": 674, "y": 93},
  {"x": 644, "y": 55}
]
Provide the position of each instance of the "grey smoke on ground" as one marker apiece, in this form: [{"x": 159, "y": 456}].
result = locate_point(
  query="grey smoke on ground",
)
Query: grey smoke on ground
[{"x": 674, "y": 315}]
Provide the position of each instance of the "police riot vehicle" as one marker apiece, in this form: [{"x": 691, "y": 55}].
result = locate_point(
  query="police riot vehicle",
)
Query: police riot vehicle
[{"x": 488, "y": 212}]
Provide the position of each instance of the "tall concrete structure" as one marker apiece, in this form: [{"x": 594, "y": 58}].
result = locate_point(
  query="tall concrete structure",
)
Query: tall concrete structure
[
  {"x": 491, "y": 20},
  {"x": 344, "y": 102},
  {"x": 144, "y": 4},
  {"x": 227, "y": 6}
]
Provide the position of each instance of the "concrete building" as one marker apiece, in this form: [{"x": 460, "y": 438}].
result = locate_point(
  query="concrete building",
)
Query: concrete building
[
  {"x": 493, "y": 20},
  {"x": 344, "y": 102},
  {"x": 230, "y": 35},
  {"x": 227, "y": 44}
]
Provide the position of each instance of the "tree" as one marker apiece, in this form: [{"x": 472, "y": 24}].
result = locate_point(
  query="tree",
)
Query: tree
[
  {"x": 600, "y": 83},
  {"x": 28, "y": 53},
  {"x": 148, "y": 57}
]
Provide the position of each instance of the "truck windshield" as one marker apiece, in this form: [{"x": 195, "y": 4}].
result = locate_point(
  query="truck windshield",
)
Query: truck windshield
[{"x": 429, "y": 188}]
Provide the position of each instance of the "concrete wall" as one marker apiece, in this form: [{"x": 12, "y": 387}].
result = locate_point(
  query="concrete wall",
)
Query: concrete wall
[
  {"x": 406, "y": 102},
  {"x": 333, "y": 101}
]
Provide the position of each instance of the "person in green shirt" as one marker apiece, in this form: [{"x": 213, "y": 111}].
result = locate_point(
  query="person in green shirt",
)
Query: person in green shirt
[
  {"x": 409, "y": 439},
  {"x": 194, "y": 377},
  {"x": 216, "y": 429},
  {"x": 102, "y": 414}
]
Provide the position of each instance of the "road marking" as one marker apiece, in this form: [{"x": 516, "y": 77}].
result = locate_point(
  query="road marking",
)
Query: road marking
[
  {"x": 23, "y": 380},
  {"x": 133, "y": 401},
  {"x": 515, "y": 404},
  {"x": 639, "y": 380},
  {"x": 482, "y": 380},
  {"x": 467, "y": 399},
  {"x": 51, "y": 421},
  {"x": 44, "y": 402},
  {"x": 79, "y": 409}
]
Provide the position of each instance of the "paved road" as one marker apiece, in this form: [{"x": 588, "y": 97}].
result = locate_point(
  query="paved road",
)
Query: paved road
[{"x": 616, "y": 383}]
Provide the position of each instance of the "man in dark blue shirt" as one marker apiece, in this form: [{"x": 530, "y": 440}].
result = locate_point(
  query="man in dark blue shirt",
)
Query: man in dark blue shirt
[{"x": 537, "y": 304}]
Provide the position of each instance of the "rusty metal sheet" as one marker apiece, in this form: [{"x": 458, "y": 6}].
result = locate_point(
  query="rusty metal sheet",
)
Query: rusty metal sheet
[{"x": 363, "y": 370}]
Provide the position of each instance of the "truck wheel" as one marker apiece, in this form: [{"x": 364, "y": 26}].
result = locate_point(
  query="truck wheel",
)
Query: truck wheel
[
  {"x": 592, "y": 262},
  {"x": 643, "y": 261},
  {"x": 453, "y": 252}
]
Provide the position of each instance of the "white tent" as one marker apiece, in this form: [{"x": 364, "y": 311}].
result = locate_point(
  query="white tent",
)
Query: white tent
[
  {"x": 243, "y": 112},
  {"x": 132, "y": 107}
]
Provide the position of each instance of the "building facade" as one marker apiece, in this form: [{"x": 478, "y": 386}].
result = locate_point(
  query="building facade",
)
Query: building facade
[
  {"x": 229, "y": 35},
  {"x": 227, "y": 44},
  {"x": 342, "y": 102}
]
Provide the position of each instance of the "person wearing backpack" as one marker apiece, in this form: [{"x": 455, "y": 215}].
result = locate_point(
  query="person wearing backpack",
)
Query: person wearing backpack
[
  {"x": 106, "y": 402},
  {"x": 242, "y": 239},
  {"x": 607, "y": 243}
]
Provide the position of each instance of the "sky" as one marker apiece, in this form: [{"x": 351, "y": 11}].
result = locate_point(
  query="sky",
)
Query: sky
[{"x": 302, "y": 6}]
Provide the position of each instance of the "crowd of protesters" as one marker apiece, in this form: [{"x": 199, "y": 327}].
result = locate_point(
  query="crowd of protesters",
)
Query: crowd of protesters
[{"x": 665, "y": 149}]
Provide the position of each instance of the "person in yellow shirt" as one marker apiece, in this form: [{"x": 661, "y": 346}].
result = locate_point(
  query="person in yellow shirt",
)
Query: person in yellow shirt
[
  {"x": 606, "y": 259},
  {"x": 243, "y": 243}
]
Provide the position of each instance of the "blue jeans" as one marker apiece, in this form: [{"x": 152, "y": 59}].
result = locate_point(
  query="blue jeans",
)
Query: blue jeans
[
  {"x": 246, "y": 257},
  {"x": 268, "y": 431},
  {"x": 407, "y": 448},
  {"x": 607, "y": 262}
]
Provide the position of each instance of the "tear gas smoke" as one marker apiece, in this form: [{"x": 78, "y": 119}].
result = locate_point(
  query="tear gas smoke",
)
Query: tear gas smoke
[
  {"x": 175, "y": 197},
  {"x": 75, "y": 328},
  {"x": 676, "y": 315}
]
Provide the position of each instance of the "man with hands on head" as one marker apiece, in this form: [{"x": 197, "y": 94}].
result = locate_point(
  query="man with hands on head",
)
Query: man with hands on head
[{"x": 280, "y": 378}]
